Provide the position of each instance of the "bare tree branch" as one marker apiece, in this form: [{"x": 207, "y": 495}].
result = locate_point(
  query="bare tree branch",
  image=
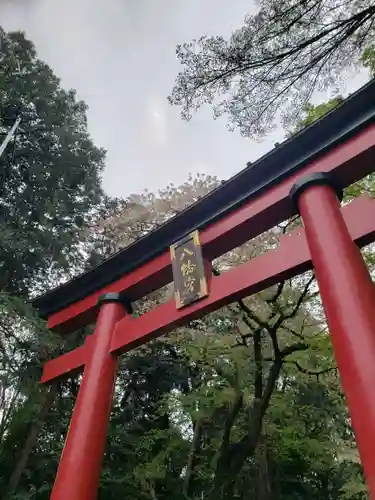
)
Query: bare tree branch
[
  {"x": 316, "y": 373},
  {"x": 258, "y": 385},
  {"x": 274, "y": 62}
]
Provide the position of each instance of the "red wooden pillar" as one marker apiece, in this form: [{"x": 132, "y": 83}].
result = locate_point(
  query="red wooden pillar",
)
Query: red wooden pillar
[
  {"x": 348, "y": 296},
  {"x": 80, "y": 465}
]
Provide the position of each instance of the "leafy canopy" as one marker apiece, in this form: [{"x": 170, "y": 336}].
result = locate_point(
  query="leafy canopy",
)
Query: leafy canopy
[
  {"x": 50, "y": 173},
  {"x": 275, "y": 61}
]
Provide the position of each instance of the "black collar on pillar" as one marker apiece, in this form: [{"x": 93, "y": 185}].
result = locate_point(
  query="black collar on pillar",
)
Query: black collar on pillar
[
  {"x": 115, "y": 297},
  {"x": 314, "y": 179}
]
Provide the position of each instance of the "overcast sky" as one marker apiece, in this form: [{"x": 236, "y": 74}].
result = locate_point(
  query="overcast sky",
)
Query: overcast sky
[{"x": 120, "y": 57}]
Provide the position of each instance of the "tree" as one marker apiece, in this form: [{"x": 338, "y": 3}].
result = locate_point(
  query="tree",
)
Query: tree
[
  {"x": 50, "y": 194},
  {"x": 312, "y": 113},
  {"x": 366, "y": 185},
  {"x": 50, "y": 174},
  {"x": 244, "y": 402},
  {"x": 368, "y": 58},
  {"x": 273, "y": 64}
]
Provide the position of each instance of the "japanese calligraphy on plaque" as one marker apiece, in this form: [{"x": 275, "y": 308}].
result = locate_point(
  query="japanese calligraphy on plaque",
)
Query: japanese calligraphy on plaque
[{"x": 189, "y": 277}]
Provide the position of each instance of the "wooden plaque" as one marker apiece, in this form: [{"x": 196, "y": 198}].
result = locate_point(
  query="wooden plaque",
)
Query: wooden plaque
[{"x": 190, "y": 283}]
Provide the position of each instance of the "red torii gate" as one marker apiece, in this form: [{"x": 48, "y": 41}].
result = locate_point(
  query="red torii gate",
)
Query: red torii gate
[{"x": 305, "y": 174}]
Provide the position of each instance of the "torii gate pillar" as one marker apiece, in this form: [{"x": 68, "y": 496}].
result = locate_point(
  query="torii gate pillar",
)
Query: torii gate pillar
[
  {"x": 348, "y": 296},
  {"x": 80, "y": 464}
]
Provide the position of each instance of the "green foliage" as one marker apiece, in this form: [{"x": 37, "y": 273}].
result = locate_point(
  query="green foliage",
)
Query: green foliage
[
  {"x": 365, "y": 185},
  {"x": 49, "y": 174},
  {"x": 368, "y": 58},
  {"x": 312, "y": 113}
]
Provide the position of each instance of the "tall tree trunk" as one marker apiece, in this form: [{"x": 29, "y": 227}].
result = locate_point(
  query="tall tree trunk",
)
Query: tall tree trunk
[
  {"x": 230, "y": 462},
  {"x": 31, "y": 439},
  {"x": 224, "y": 486},
  {"x": 263, "y": 481}
]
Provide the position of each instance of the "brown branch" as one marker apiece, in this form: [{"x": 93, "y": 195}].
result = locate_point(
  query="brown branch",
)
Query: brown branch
[
  {"x": 359, "y": 18},
  {"x": 312, "y": 372},
  {"x": 260, "y": 406},
  {"x": 29, "y": 444},
  {"x": 242, "y": 339},
  {"x": 238, "y": 452},
  {"x": 223, "y": 463},
  {"x": 356, "y": 21},
  {"x": 293, "y": 332},
  {"x": 284, "y": 316},
  {"x": 288, "y": 223},
  {"x": 248, "y": 315},
  {"x": 275, "y": 344},
  {"x": 299, "y": 346},
  {"x": 277, "y": 294},
  {"x": 233, "y": 456},
  {"x": 258, "y": 389},
  {"x": 301, "y": 298},
  {"x": 272, "y": 331},
  {"x": 270, "y": 386},
  {"x": 251, "y": 314},
  {"x": 246, "y": 319},
  {"x": 235, "y": 408}
]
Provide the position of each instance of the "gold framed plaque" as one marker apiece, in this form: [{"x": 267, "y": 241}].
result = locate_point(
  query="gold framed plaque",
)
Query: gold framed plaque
[{"x": 190, "y": 282}]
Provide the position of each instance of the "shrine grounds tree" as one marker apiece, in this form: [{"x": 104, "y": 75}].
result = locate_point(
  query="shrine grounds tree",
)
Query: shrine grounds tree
[
  {"x": 271, "y": 66},
  {"x": 186, "y": 404},
  {"x": 50, "y": 193},
  {"x": 49, "y": 175}
]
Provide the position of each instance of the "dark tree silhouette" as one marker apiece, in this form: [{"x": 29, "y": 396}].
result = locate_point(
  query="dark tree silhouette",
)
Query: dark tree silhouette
[{"x": 50, "y": 174}]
